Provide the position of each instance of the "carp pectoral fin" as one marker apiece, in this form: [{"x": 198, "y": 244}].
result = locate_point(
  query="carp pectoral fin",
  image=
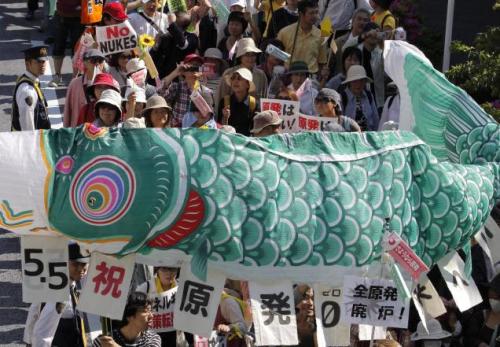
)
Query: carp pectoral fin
[
  {"x": 199, "y": 260},
  {"x": 189, "y": 221}
]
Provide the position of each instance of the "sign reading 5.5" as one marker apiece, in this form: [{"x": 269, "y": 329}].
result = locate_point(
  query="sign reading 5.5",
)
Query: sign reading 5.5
[{"x": 45, "y": 269}]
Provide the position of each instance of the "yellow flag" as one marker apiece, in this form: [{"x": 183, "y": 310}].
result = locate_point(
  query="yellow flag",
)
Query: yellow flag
[{"x": 326, "y": 27}]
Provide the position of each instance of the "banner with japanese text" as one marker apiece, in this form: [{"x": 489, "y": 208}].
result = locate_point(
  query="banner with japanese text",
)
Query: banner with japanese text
[
  {"x": 273, "y": 313},
  {"x": 197, "y": 301},
  {"x": 163, "y": 310},
  {"x": 373, "y": 301},
  {"x": 293, "y": 121},
  {"x": 106, "y": 288}
]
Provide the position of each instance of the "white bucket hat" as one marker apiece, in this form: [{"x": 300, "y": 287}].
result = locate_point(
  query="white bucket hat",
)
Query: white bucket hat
[
  {"x": 112, "y": 97},
  {"x": 355, "y": 73},
  {"x": 246, "y": 45},
  {"x": 134, "y": 65},
  {"x": 436, "y": 332},
  {"x": 140, "y": 94},
  {"x": 245, "y": 74}
]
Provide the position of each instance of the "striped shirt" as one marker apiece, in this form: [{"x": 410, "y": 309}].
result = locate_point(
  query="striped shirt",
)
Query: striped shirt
[{"x": 148, "y": 339}]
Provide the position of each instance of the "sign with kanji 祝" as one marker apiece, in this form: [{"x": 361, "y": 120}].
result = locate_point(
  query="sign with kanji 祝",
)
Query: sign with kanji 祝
[
  {"x": 196, "y": 302},
  {"x": 163, "y": 310},
  {"x": 107, "y": 284},
  {"x": 45, "y": 269},
  {"x": 273, "y": 313},
  {"x": 328, "y": 303},
  {"x": 373, "y": 301},
  {"x": 463, "y": 289}
]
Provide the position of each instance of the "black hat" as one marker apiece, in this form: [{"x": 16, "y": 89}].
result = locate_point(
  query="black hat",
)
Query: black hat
[
  {"x": 75, "y": 253},
  {"x": 298, "y": 67},
  {"x": 40, "y": 53}
]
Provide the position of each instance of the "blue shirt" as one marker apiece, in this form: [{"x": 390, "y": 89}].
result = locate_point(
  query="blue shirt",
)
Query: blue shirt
[
  {"x": 368, "y": 107},
  {"x": 189, "y": 119}
]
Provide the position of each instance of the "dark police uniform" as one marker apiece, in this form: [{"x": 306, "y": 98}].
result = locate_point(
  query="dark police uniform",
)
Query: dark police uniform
[{"x": 29, "y": 107}]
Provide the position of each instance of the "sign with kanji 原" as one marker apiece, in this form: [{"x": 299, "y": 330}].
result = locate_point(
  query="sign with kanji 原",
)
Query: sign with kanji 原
[
  {"x": 116, "y": 38},
  {"x": 328, "y": 303},
  {"x": 273, "y": 313},
  {"x": 373, "y": 301},
  {"x": 107, "y": 284},
  {"x": 45, "y": 268},
  {"x": 196, "y": 301},
  {"x": 163, "y": 310}
]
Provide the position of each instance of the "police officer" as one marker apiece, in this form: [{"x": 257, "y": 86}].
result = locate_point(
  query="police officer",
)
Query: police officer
[
  {"x": 60, "y": 324},
  {"x": 29, "y": 107}
]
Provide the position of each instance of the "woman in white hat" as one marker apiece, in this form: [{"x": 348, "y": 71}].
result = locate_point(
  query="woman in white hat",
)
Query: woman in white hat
[
  {"x": 238, "y": 108},
  {"x": 135, "y": 101},
  {"x": 433, "y": 337},
  {"x": 157, "y": 113},
  {"x": 213, "y": 68},
  {"x": 358, "y": 102},
  {"x": 246, "y": 55},
  {"x": 108, "y": 109}
]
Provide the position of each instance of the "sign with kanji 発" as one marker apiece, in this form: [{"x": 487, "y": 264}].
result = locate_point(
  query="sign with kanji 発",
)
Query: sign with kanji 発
[
  {"x": 373, "y": 301},
  {"x": 273, "y": 313},
  {"x": 107, "y": 284},
  {"x": 196, "y": 301}
]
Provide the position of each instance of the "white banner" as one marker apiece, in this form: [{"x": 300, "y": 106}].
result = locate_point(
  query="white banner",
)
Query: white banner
[
  {"x": 427, "y": 298},
  {"x": 197, "y": 301},
  {"x": 463, "y": 290},
  {"x": 328, "y": 304},
  {"x": 163, "y": 310},
  {"x": 374, "y": 301},
  {"x": 273, "y": 313},
  {"x": 116, "y": 38},
  {"x": 106, "y": 288},
  {"x": 45, "y": 268},
  {"x": 293, "y": 121}
]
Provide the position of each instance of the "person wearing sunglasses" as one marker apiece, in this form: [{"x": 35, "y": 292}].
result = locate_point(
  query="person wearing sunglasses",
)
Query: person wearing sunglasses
[
  {"x": 118, "y": 68},
  {"x": 328, "y": 104},
  {"x": 76, "y": 96}
]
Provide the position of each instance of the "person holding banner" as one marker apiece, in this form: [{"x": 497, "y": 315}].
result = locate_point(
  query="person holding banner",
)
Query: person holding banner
[
  {"x": 328, "y": 104},
  {"x": 134, "y": 328},
  {"x": 60, "y": 324}
]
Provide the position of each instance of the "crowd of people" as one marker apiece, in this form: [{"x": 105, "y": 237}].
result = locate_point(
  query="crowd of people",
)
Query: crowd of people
[
  {"x": 265, "y": 49},
  {"x": 273, "y": 50}
]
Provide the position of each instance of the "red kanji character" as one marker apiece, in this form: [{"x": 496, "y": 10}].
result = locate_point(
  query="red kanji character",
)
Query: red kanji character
[
  {"x": 276, "y": 107},
  {"x": 302, "y": 123},
  {"x": 157, "y": 321},
  {"x": 265, "y": 106},
  {"x": 166, "y": 320},
  {"x": 312, "y": 124},
  {"x": 112, "y": 277}
]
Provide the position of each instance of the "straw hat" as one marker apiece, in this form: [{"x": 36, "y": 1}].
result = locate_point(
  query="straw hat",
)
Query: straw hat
[
  {"x": 436, "y": 332},
  {"x": 112, "y": 97},
  {"x": 356, "y": 73},
  {"x": 245, "y": 74},
  {"x": 246, "y": 45},
  {"x": 156, "y": 101},
  {"x": 264, "y": 119}
]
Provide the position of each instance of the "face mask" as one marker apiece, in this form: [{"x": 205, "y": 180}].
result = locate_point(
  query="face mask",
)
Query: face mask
[
  {"x": 495, "y": 305},
  {"x": 432, "y": 343}
]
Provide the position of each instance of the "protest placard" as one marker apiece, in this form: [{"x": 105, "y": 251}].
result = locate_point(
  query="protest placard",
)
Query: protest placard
[
  {"x": 492, "y": 237},
  {"x": 116, "y": 38},
  {"x": 369, "y": 332},
  {"x": 197, "y": 301},
  {"x": 45, "y": 268},
  {"x": 404, "y": 255},
  {"x": 425, "y": 295},
  {"x": 373, "y": 301},
  {"x": 463, "y": 289},
  {"x": 106, "y": 288},
  {"x": 288, "y": 111},
  {"x": 163, "y": 310},
  {"x": 328, "y": 303},
  {"x": 273, "y": 313},
  {"x": 215, "y": 340}
]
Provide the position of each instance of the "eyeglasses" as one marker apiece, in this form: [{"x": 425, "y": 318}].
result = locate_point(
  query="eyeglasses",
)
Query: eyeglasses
[{"x": 96, "y": 60}]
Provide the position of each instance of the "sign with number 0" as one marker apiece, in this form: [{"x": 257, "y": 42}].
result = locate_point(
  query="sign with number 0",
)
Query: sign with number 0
[{"x": 45, "y": 268}]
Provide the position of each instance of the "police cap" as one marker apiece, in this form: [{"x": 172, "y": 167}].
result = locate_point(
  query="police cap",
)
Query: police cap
[{"x": 40, "y": 53}]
